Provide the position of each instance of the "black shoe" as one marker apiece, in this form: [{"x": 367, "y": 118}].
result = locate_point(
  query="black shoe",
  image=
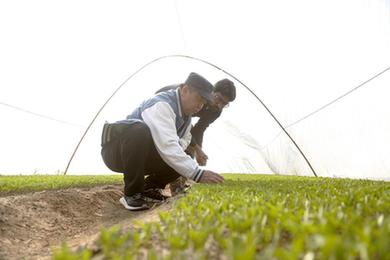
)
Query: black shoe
[
  {"x": 134, "y": 202},
  {"x": 154, "y": 195}
]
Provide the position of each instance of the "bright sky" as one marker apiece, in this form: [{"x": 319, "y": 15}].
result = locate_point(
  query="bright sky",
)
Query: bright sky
[{"x": 63, "y": 59}]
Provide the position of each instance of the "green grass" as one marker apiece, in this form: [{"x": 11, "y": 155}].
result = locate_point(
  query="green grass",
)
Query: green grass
[
  {"x": 262, "y": 217},
  {"x": 21, "y": 184}
]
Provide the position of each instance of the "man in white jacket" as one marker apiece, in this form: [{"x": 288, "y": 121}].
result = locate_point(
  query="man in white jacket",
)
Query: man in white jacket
[{"x": 152, "y": 140}]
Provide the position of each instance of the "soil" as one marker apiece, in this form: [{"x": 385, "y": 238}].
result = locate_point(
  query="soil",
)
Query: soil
[{"x": 33, "y": 224}]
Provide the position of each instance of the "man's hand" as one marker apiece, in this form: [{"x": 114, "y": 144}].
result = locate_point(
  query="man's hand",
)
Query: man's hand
[
  {"x": 190, "y": 151},
  {"x": 200, "y": 156},
  {"x": 211, "y": 177}
]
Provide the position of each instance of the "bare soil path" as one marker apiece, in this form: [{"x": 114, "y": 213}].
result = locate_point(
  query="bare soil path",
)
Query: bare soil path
[{"x": 32, "y": 224}]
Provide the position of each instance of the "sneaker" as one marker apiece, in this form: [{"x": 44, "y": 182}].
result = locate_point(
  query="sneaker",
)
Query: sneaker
[
  {"x": 154, "y": 195},
  {"x": 134, "y": 202}
]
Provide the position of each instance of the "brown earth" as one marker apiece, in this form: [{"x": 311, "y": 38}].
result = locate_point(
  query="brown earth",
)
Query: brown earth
[{"x": 33, "y": 224}]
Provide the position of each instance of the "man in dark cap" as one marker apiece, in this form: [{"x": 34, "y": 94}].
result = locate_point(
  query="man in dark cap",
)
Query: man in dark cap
[
  {"x": 152, "y": 140},
  {"x": 223, "y": 93}
]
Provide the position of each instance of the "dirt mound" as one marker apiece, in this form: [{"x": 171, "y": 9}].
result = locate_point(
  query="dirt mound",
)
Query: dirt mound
[{"x": 32, "y": 224}]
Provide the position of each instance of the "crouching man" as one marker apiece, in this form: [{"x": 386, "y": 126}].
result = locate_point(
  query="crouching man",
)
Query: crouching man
[
  {"x": 152, "y": 140},
  {"x": 224, "y": 92}
]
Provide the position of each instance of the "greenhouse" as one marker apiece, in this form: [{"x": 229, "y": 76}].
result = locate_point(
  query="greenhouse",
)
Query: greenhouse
[{"x": 303, "y": 147}]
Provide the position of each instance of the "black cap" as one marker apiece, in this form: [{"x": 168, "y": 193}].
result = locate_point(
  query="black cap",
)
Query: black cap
[{"x": 201, "y": 85}]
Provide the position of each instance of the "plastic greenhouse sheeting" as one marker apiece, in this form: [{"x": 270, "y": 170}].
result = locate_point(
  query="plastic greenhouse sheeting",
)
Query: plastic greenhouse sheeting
[{"x": 312, "y": 63}]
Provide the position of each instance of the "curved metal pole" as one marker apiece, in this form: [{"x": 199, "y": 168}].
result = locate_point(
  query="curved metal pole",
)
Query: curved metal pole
[
  {"x": 105, "y": 103},
  {"x": 206, "y": 62}
]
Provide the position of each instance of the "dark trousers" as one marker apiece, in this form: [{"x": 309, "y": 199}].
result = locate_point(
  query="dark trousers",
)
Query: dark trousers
[{"x": 133, "y": 153}]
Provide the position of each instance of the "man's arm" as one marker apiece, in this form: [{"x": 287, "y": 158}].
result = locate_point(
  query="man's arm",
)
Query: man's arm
[
  {"x": 197, "y": 152},
  {"x": 206, "y": 117},
  {"x": 160, "y": 119}
]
